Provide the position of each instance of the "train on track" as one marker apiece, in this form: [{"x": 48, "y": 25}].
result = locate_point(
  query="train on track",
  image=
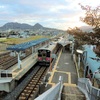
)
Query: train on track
[{"x": 46, "y": 54}]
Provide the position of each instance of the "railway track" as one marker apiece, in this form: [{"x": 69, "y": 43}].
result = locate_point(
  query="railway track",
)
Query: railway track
[
  {"x": 15, "y": 94},
  {"x": 3, "y": 54},
  {"x": 32, "y": 88},
  {"x": 28, "y": 88},
  {"x": 6, "y": 61}
]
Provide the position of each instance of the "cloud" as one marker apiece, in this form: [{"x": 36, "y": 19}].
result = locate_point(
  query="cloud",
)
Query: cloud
[
  {"x": 56, "y": 13},
  {"x": 2, "y": 6}
]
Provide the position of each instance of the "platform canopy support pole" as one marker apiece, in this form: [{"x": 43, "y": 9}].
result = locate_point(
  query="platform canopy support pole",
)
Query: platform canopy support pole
[
  {"x": 32, "y": 50},
  {"x": 19, "y": 61},
  {"x": 35, "y": 48},
  {"x": 84, "y": 71},
  {"x": 80, "y": 53},
  {"x": 40, "y": 45},
  {"x": 79, "y": 61},
  {"x": 73, "y": 47}
]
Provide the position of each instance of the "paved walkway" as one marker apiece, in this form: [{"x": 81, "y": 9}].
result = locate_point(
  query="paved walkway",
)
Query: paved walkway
[{"x": 64, "y": 67}]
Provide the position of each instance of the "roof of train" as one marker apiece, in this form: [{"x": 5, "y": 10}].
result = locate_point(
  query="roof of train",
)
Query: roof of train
[
  {"x": 93, "y": 64},
  {"x": 26, "y": 45},
  {"x": 50, "y": 47}
]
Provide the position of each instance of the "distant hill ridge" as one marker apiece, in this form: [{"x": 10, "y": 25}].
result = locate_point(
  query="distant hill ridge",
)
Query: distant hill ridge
[
  {"x": 15, "y": 25},
  {"x": 23, "y": 26}
]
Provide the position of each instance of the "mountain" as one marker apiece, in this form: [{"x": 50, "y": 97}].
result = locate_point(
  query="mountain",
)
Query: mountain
[
  {"x": 15, "y": 25},
  {"x": 37, "y": 26}
]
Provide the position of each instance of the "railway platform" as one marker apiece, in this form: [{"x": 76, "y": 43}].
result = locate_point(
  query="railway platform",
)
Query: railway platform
[
  {"x": 8, "y": 83},
  {"x": 25, "y": 66},
  {"x": 65, "y": 67}
]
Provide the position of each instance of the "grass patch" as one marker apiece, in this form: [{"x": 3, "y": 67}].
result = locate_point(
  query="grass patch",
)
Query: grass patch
[
  {"x": 21, "y": 40},
  {"x": 2, "y": 39}
]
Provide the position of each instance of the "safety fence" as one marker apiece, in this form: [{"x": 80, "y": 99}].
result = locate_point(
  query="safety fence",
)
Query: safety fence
[
  {"x": 53, "y": 93},
  {"x": 91, "y": 93}
]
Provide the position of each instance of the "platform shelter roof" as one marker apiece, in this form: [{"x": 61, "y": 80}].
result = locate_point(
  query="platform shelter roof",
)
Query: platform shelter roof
[
  {"x": 23, "y": 46},
  {"x": 64, "y": 43}
]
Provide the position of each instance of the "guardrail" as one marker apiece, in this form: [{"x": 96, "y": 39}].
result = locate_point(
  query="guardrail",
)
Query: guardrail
[
  {"x": 86, "y": 87},
  {"x": 76, "y": 65},
  {"x": 54, "y": 93}
]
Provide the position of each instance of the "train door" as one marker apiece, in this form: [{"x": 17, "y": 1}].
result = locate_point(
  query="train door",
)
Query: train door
[
  {"x": 48, "y": 57},
  {"x": 44, "y": 55}
]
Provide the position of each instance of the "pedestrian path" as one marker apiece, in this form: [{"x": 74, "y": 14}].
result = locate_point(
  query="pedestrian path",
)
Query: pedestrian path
[{"x": 65, "y": 67}]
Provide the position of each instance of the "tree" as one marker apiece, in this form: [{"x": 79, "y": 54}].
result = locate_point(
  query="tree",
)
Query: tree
[
  {"x": 78, "y": 33},
  {"x": 92, "y": 17},
  {"x": 80, "y": 36}
]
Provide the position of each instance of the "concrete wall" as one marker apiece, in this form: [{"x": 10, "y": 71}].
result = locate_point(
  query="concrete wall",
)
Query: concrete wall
[{"x": 7, "y": 86}]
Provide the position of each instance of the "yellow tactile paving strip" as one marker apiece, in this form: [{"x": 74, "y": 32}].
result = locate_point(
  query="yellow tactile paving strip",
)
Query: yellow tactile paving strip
[{"x": 54, "y": 70}]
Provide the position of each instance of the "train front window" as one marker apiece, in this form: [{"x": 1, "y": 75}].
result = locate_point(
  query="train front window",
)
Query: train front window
[
  {"x": 40, "y": 53},
  {"x": 48, "y": 53},
  {"x": 43, "y": 53}
]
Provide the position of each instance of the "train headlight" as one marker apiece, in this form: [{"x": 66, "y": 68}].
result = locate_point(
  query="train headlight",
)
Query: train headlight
[
  {"x": 47, "y": 59},
  {"x": 40, "y": 58}
]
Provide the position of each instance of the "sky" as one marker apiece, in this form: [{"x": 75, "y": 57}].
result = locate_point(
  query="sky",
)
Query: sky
[{"x": 60, "y": 14}]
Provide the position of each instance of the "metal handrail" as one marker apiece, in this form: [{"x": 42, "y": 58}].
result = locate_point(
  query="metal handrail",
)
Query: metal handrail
[
  {"x": 91, "y": 92},
  {"x": 54, "y": 92}
]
